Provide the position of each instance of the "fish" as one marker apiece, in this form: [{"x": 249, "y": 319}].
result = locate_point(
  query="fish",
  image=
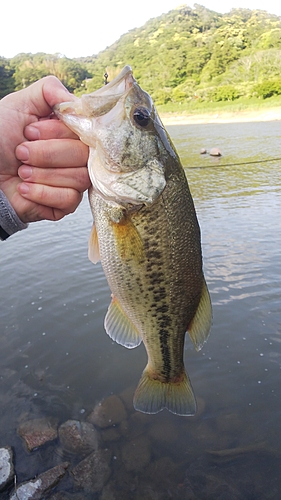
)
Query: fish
[{"x": 146, "y": 235}]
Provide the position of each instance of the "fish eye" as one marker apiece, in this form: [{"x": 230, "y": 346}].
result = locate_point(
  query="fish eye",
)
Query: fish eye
[{"x": 141, "y": 117}]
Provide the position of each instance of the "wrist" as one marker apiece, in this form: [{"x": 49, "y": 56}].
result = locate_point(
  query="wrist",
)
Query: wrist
[
  {"x": 10, "y": 223},
  {"x": 3, "y": 234}
]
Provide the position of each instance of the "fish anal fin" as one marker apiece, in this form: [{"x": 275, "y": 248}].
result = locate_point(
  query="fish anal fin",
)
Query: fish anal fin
[
  {"x": 152, "y": 395},
  {"x": 119, "y": 327},
  {"x": 200, "y": 325},
  {"x": 93, "y": 246}
]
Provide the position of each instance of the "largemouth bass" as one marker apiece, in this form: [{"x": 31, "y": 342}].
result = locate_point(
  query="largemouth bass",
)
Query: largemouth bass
[{"x": 146, "y": 235}]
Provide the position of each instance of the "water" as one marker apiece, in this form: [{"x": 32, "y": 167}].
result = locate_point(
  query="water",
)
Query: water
[{"x": 56, "y": 360}]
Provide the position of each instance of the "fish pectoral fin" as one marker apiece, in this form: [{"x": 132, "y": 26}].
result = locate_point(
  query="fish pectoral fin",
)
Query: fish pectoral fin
[
  {"x": 93, "y": 246},
  {"x": 152, "y": 395},
  {"x": 200, "y": 325},
  {"x": 119, "y": 327},
  {"x": 128, "y": 240}
]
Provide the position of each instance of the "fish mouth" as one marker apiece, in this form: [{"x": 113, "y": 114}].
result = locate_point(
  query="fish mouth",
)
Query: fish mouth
[
  {"x": 112, "y": 91},
  {"x": 104, "y": 99},
  {"x": 101, "y": 101}
]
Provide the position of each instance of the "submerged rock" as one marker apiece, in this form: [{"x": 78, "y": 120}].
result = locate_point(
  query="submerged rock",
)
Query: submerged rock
[
  {"x": 61, "y": 495},
  {"x": 93, "y": 472},
  {"x": 134, "y": 427},
  {"x": 164, "y": 432},
  {"x": 78, "y": 437},
  {"x": 6, "y": 467},
  {"x": 110, "y": 434},
  {"x": 38, "y": 431},
  {"x": 37, "y": 489},
  {"x": 110, "y": 411},
  {"x": 136, "y": 454},
  {"x": 127, "y": 396}
]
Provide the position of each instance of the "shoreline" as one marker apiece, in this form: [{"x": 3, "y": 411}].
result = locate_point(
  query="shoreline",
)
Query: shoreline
[{"x": 222, "y": 117}]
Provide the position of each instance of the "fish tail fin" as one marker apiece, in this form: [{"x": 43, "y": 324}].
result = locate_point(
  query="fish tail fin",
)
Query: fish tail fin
[{"x": 152, "y": 395}]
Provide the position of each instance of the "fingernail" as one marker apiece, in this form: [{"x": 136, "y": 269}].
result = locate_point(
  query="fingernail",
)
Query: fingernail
[
  {"x": 31, "y": 133},
  {"x": 23, "y": 188},
  {"x": 22, "y": 153},
  {"x": 25, "y": 172}
]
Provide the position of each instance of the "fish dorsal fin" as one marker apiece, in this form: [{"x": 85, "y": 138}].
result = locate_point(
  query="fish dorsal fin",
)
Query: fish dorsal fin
[
  {"x": 93, "y": 246},
  {"x": 200, "y": 325},
  {"x": 119, "y": 327}
]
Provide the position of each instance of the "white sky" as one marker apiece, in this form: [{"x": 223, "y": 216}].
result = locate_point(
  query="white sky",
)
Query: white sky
[{"x": 55, "y": 26}]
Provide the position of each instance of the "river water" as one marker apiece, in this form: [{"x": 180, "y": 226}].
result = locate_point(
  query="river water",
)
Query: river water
[{"x": 57, "y": 361}]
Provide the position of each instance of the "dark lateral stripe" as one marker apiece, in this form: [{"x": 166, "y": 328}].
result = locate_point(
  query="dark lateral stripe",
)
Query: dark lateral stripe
[{"x": 165, "y": 351}]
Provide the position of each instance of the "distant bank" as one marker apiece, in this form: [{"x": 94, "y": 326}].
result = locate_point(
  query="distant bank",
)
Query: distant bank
[{"x": 263, "y": 115}]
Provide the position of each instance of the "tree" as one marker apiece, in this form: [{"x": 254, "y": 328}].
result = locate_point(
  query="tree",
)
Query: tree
[{"x": 6, "y": 77}]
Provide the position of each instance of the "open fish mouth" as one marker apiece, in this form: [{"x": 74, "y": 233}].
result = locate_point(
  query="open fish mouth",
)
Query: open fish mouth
[{"x": 102, "y": 100}]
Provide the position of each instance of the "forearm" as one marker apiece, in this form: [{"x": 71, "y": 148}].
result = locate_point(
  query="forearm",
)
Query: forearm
[{"x": 10, "y": 223}]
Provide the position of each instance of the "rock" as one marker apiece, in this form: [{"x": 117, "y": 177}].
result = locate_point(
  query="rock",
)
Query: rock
[
  {"x": 109, "y": 493},
  {"x": 127, "y": 397},
  {"x": 220, "y": 490},
  {"x": 6, "y": 467},
  {"x": 61, "y": 495},
  {"x": 38, "y": 431},
  {"x": 108, "y": 412},
  {"x": 135, "y": 426},
  {"x": 164, "y": 432},
  {"x": 110, "y": 434},
  {"x": 215, "y": 152},
  {"x": 78, "y": 437},
  {"x": 93, "y": 472},
  {"x": 122, "y": 490},
  {"x": 39, "y": 487},
  {"x": 165, "y": 474},
  {"x": 131, "y": 428},
  {"x": 203, "y": 151},
  {"x": 136, "y": 454}
]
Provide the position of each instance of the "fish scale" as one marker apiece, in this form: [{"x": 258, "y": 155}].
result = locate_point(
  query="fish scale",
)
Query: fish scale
[{"x": 146, "y": 235}]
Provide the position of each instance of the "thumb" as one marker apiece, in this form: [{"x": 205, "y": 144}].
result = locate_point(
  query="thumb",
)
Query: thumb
[
  {"x": 55, "y": 92},
  {"x": 39, "y": 98}
]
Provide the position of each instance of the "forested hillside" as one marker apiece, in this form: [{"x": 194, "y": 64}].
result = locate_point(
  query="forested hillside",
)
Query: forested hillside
[{"x": 184, "y": 55}]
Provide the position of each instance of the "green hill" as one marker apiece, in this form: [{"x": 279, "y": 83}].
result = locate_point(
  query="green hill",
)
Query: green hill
[{"x": 186, "y": 55}]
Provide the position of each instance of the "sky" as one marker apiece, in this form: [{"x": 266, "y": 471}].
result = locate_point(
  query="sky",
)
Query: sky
[{"x": 55, "y": 26}]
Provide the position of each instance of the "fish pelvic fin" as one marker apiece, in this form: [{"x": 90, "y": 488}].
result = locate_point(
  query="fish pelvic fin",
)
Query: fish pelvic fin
[
  {"x": 199, "y": 327},
  {"x": 152, "y": 395},
  {"x": 119, "y": 327},
  {"x": 93, "y": 246}
]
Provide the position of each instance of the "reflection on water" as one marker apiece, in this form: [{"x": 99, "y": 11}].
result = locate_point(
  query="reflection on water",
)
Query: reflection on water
[{"x": 56, "y": 359}]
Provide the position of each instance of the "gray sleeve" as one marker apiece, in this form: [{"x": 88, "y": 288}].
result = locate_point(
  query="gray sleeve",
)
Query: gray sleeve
[{"x": 10, "y": 223}]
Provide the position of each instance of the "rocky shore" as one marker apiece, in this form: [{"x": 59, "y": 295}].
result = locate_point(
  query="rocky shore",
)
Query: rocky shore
[{"x": 115, "y": 452}]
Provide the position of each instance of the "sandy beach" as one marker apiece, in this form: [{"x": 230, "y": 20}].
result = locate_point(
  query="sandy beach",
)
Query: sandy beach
[{"x": 222, "y": 117}]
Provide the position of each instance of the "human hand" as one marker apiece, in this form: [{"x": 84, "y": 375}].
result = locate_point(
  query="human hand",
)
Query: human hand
[{"x": 41, "y": 151}]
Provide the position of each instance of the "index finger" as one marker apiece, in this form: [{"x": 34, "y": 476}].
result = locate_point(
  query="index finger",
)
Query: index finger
[
  {"x": 48, "y": 129},
  {"x": 53, "y": 153}
]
